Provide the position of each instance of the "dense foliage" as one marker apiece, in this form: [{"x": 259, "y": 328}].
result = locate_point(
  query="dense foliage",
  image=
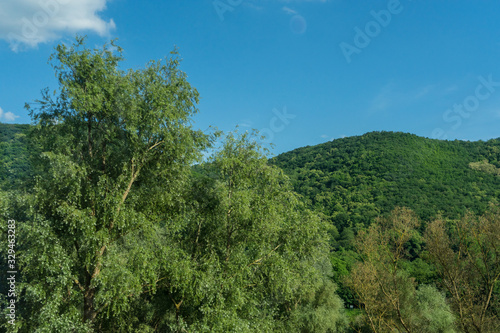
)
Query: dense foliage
[
  {"x": 121, "y": 228},
  {"x": 117, "y": 234},
  {"x": 353, "y": 180},
  {"x": 14, "y": 158}
]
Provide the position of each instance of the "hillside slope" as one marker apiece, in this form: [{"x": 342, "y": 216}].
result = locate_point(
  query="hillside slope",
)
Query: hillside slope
[
  {"x": 14, "y": 165},
  {"x": 353, "y": 180}
]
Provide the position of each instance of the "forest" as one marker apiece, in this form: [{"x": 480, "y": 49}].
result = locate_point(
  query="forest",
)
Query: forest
[{"x": 128, "y": 219}]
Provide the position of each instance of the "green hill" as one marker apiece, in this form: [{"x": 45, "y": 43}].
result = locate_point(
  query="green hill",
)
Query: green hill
[
  {"x": 14, "y": 165},
  {"x": 355, "y": 179}
]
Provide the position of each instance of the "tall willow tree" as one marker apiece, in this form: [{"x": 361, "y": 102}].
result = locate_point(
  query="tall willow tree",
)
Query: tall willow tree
[
  {"x": 117, "y": 147},
  {"x": 250, "y": 257}
]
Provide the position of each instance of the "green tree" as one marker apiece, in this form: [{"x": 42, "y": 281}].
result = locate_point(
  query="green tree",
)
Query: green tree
[
  {"x": 116, "y": 150},
  {"x": 385, "y": 290},
  {"x": 14, "y": 166},
  {"x": 467, "y": 257},
  {"x": 251, "y": 257}
]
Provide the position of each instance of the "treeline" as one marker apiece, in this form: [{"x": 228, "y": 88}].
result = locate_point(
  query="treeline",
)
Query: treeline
[
  {"x": 14, "y": 164},
  {"x": 123, "y": 226},
  {"x": 450, "y": 284}
]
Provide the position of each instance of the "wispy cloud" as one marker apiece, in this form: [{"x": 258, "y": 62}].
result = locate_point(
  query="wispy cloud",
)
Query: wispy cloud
[
  {"x": 27, "y": 23},
  {"x": 423, "y": 92},
  {"x": 246, "y": 123},
  {"x": 289, "y": 10},
  {"x": 331, "y": 138},
  {"x": 390, "y": 96},
  {"x": 253, "y": 6},
  {"x": 7, "y": 116}
]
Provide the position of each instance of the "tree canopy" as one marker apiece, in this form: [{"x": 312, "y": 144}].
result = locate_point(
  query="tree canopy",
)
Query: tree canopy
[{"x": 119, "y": 233}]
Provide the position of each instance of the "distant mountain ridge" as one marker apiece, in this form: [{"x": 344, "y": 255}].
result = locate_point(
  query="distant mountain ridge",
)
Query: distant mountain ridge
[{"x": 355, "y": 179}]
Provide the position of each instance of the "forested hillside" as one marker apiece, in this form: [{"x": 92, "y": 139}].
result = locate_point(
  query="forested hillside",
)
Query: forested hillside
[
  {"x": 14, "y": 165},
  {"x": 355, "y": 179},
  {"x": 383, "y": 255}
]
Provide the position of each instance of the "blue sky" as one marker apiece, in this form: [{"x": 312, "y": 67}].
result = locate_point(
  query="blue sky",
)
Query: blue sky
[{"x": 301, "y": 71}]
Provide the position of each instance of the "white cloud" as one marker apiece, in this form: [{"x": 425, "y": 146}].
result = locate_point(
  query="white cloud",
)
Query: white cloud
[
  {"x": 327, "y": 137},
  {"x": 451, "y": 89},
  {"x": 289, "y": 10},
  {"x": 246, "y": 123},
  {"x": 27, "y": 23},
  {"x": 7, "y": 116},
  {"x": 424, "y": 91}
]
